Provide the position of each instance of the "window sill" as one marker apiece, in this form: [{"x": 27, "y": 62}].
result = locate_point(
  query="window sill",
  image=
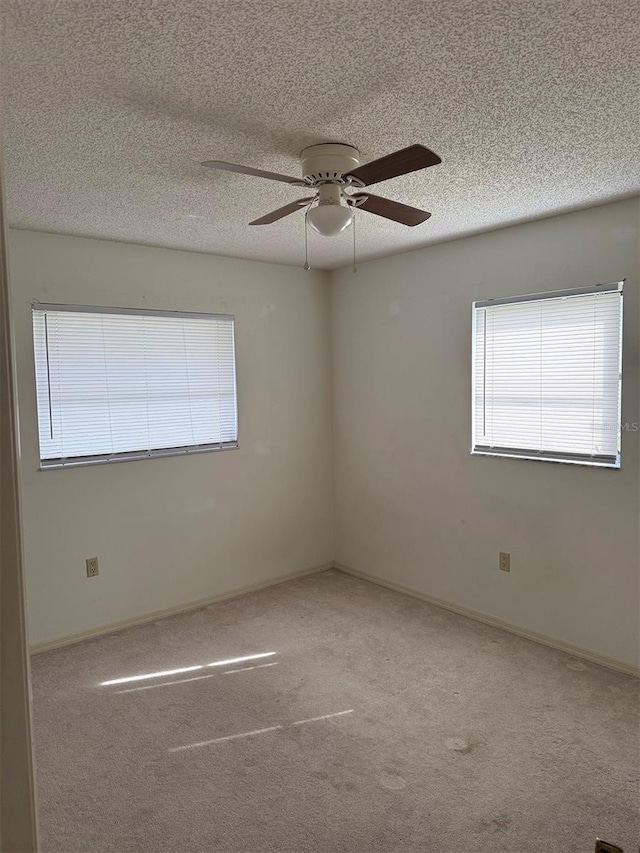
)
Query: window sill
[
  {"x": 133, "y": 456},
  {"x": 566, "y": 459}
]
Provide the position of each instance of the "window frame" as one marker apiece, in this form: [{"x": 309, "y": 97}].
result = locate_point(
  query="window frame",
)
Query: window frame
[
  {"x": 557, "y": 457},
  {"x": 134, "y": 455}
]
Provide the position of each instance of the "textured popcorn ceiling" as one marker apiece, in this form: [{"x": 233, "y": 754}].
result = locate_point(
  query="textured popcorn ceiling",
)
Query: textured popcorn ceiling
[{"x": 533, "y": 106}]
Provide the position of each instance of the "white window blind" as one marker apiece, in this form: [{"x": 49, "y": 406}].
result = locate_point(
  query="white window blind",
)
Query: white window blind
[
  {"x": 547, "y": 376},
  {"x": 118, "y": 384}
]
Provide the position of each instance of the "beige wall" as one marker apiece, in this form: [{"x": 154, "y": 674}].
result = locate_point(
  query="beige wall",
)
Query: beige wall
[
  {"x": 170, "y": 531},
  {"x": 413, "y": 507}
]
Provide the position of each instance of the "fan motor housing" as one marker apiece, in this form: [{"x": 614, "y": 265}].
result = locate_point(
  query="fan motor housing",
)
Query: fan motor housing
[{"x": 328, "y": 161}]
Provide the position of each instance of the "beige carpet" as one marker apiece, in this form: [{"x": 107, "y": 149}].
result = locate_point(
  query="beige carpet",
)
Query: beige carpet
[{"x": 371, "y": 722}]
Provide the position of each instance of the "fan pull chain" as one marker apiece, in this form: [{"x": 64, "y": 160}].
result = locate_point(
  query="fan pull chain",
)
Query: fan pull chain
[
  {"x": 306, "y": 246},
  {"x": 355, "y": 269}
]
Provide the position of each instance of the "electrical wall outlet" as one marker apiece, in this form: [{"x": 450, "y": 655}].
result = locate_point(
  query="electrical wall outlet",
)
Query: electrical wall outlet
[
  {"x": 92, "y": 567},
  {"x": 505, "y": 562}
]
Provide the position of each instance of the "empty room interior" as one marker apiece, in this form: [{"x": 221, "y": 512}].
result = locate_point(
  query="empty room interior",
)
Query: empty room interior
[{"x": 326, "y": 355}]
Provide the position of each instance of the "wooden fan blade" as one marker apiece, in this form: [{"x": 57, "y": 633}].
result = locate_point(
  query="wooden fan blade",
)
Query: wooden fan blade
[
  {"x": 402, "y": 213},
  {"x": 399, "y": 163},
  {"x": 249, "y": 170},
  {"x": 282, "y": 211}
]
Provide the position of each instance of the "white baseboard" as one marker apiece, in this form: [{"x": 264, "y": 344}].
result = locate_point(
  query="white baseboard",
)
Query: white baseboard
[
  {"x": 113, "y": 627},
  {"x": 552, "y": 642}
]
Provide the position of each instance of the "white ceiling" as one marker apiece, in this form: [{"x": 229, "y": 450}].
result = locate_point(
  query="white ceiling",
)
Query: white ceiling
[{"x": 533, "y": 105}]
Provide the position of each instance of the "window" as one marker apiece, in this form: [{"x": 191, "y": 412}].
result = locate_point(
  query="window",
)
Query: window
[
  {"x": 116, "y": 384},
  {"x": 547, "y": 376}
]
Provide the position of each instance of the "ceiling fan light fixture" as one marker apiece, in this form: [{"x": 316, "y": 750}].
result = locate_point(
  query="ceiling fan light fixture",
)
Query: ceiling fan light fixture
[
  {"x": 330, "y": 219},
  {"x": 328, "y": 168}
]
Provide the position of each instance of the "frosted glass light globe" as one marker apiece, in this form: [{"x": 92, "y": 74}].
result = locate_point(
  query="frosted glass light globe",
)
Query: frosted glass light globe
[{"x": 329, "y": 219}]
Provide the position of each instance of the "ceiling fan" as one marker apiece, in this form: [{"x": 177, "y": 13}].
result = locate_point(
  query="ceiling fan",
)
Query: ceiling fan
[{"x": 332, "y": 168}]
